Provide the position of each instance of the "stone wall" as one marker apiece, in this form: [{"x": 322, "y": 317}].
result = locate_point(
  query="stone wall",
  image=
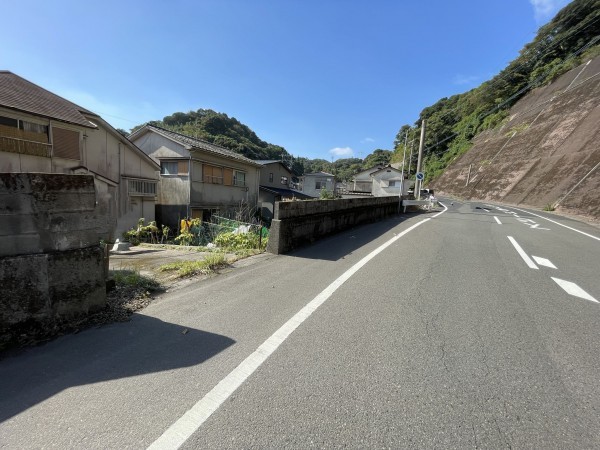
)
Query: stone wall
[
  {"x": 303, "y": 222},
  {"x": 51, "y": 266}
]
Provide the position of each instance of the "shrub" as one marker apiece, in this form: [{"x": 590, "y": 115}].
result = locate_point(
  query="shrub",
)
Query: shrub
[{"x": 239, "y": 241}]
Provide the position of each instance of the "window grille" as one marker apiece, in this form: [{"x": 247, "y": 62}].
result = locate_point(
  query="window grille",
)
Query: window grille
[{"x": 141, "y": 188}]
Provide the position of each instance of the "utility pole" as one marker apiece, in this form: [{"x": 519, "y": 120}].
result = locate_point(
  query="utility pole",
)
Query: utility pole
[
  {"x": 421, "y": 145},
  {"x": 402, "y": 176}
]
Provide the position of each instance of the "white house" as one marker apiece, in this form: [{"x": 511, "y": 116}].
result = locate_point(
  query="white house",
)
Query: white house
[
  {"x": 387, "y": 181},
  {"x": 42, "y": 132},
  {"x": 362, "y": 181}
]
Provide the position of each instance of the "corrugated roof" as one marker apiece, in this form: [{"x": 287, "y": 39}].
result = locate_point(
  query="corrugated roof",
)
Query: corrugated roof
[
  {"x": 198, "y": 144},
  {"x": 19, "y": 94}
]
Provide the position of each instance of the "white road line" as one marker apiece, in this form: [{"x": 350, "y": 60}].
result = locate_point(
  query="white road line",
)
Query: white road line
[
  {"x": 558, "y": 223},
  {"x": 521, "y": 252},
  {"x": 543, "y": 262},
  {"x": 486, "y": 210},
  {"x": 498, "y": 220},
  {"x": 445, "y": 209},
  {"x": 189, "y": 423},
  {"x": 573, "y": 289}
]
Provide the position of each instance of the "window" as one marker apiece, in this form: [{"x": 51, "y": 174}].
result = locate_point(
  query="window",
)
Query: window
[
  {"x": 228, "y": 177},
  {"x": 270, "y": 177},
  {"x": 174, "y": 167},
  {"x": 65, "y": 143},
  {"x": 239, "y": 179},
  {"x": 141, "y": 188},
  {"x": 284, "y": 180},
  {"x": 20, "y": 136},
  {"x": 321, "y": 183},
  {"x": 212, "y": 174},
  {"x": 392, "y": 184}
]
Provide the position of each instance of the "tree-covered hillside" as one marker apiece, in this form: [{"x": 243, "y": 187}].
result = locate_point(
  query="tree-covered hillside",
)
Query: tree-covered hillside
[
  {"x": 568, "y": 40},
  {"x": 220, "y": 129}
]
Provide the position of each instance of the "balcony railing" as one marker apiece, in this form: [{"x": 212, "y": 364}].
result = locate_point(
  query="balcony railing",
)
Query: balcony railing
[{"x": 25, "y": 147}]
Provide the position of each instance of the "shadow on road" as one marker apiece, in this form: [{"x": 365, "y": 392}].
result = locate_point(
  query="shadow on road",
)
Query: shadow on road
[
  {"x": 337, "y": 246},
  {"x": 144, "y": 345}
]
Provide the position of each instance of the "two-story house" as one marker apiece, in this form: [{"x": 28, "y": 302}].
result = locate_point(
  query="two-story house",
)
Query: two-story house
[
  {"x": 314, "y": 183},
  {"x": 42, "y": 132},
  {"x": 275, "y": 185},
  {"x": 197, "y": 178}
]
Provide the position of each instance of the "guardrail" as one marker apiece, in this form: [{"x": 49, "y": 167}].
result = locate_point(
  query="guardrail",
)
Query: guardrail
[{"x": 426, "y": 203}]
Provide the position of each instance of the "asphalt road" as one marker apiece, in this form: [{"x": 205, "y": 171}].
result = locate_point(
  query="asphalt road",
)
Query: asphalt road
[{"x": 475, "y": 327}]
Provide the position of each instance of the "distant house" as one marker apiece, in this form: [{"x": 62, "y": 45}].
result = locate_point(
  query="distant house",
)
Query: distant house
[
  {"x": 362, "y": 181},
  {"x": 387, "y": 181},
  {"x": 313, "y": 183},
  {"x": 275, "y": 185},
  {"x": 197, "y": 178},
  {"x": 42, "y": 132}
]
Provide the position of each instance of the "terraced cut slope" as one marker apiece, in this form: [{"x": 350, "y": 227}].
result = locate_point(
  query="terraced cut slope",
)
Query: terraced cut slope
[{"x": 547, "y": 153}]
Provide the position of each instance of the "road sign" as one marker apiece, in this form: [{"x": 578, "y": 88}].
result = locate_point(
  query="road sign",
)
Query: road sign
[{"x": 420, "y": 176}]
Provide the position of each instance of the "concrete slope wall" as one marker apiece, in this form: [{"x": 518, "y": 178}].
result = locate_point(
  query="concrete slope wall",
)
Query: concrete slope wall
[
  {"x": 303, "y": 222},
  {"x": 550, "y": 143},
  {"x": 51, "y": 266}
]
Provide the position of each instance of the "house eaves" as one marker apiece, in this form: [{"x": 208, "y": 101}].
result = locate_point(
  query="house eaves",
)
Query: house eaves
[
  {"x": 20, "y": 95},
  {"x": 194, "y": 144}
]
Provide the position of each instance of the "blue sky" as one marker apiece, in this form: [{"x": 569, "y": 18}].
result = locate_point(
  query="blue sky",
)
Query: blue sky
[{"x": 322, "y": 78}]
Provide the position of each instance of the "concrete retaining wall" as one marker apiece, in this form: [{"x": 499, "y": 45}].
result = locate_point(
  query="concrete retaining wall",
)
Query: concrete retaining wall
[
  {"x": 303, "y": 222},
  {"x": 51, "y": 266}
]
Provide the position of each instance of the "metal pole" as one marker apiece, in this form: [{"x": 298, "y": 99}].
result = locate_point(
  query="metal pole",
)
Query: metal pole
[{"x": 421, "y": 145}]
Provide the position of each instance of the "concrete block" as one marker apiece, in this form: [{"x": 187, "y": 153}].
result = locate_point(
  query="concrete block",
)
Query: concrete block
[
  {"x": 77, "y": 281},
  {"x": 24, "y": 289}
]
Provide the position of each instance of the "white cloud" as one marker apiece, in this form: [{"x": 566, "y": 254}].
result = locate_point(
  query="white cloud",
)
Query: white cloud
[
  {"x": 464, "y": 79},
  {"x": 367, "y": 140},
  {"x": 340, "y": 152},
  {"x": 545, "y": 9}
]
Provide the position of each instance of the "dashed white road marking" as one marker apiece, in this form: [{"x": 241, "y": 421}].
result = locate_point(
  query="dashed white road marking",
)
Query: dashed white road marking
[
  {"x": 486, "y": 210},
  {"x": 498, "y": 220},
  {"x": 572, "y": 289},
  {"x": 522, "y": 253},
  {"x": 543, "y": 262},
  {"x": 180, "y": 431}
]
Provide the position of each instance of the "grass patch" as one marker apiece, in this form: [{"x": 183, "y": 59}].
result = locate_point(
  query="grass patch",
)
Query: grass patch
[
  {"x": 549, "y": 207},
  {"x": 184, "y": 269},
  {"x": 133, "y": 279}
]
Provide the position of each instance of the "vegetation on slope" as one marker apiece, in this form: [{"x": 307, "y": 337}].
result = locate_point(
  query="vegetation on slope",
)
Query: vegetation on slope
[{"x": 565, "y": 42}]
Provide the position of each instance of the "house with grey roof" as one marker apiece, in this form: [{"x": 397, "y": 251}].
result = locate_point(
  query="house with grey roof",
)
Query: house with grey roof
[
  {"x": 276, "y": 184},
  {"x": 43, "y": 132},
  {"x": 197, "y": 178},
  {"x": 314, "y": 183}
]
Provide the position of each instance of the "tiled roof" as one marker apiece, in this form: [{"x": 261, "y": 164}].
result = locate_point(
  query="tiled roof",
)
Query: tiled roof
[
  {"x": 19, "y": 94},
  {"x": 199, "y": 144},
  {"x": 266, "y": 161}
]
